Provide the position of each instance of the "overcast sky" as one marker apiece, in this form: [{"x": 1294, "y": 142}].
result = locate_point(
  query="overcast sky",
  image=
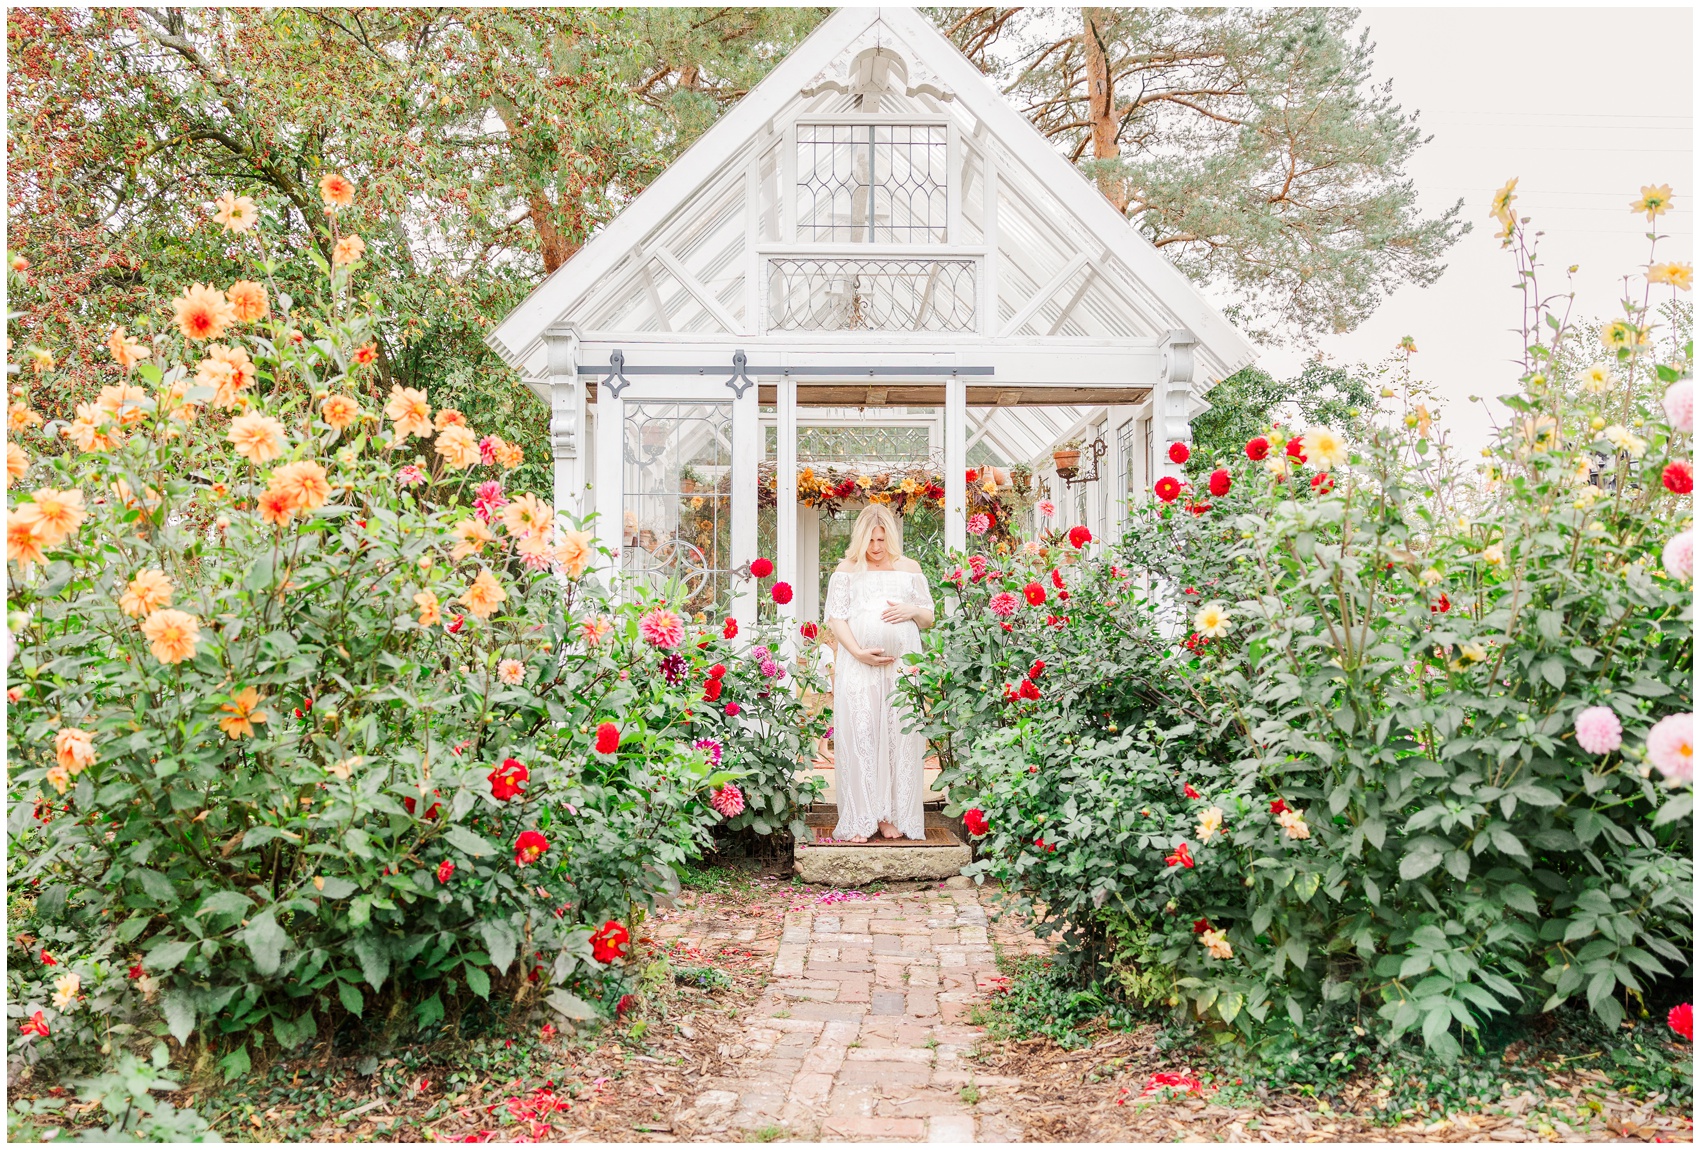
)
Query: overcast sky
[{"x": 1585, "y": 105}]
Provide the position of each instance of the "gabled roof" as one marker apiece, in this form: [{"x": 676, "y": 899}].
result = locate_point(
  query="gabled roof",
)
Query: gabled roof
[{"x": 1133, "y": 277}]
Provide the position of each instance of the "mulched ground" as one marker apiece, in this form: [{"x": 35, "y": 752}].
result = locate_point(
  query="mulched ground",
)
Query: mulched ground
[{"x": 627, "y": 1083}]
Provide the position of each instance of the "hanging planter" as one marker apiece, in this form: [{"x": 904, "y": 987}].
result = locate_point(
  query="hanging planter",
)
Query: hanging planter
[{"x": 1067, "y": 460}]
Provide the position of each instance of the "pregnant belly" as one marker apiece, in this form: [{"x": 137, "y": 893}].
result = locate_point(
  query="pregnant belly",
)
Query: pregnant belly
[{"x": 891, "y": 638}]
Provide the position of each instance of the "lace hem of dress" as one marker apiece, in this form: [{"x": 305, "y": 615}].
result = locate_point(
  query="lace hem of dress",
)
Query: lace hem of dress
[{"x": 855, "y": 827}]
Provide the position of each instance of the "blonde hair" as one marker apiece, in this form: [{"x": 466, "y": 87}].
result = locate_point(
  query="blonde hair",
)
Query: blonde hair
[{"x": 873, "y": 515}]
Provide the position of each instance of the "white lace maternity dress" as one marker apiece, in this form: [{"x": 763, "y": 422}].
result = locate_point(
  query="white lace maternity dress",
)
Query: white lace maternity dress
[{"x": 878, "y": 763}]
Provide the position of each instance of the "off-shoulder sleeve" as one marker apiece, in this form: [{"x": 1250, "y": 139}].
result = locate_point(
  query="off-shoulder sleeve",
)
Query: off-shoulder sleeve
[
  {"x": 838, "y": 596},
  {"x": 919, "y": 593}
]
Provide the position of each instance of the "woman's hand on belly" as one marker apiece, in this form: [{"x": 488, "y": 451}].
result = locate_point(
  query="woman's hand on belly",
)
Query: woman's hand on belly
[{"x": 874, "y": 657}]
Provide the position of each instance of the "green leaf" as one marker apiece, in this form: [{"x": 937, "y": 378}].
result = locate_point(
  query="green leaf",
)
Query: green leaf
[
  {"x": 476, "y": 980},
  {"x": 1418, "y": 861},
  {"x": 167, "y": 955},
  {"x": 1305, "y": 885},
  {"x": 266, "y": 942},
  {"x": 337, "y": 887},
  {"x": 156, "y": 886},
  {"x": 225, "y": 902},
  {"x": 374, "y": 960},
  {"x": 501, "y": 941},
  {"x": 1678, "y": 806},
  {"x": 464, "y": 840},
  {"x": 429, "y": 1012},
  {"x": 235, "y": 1064},
  {"x": 352, "y": 1000},
  {"x": 291, "y": 1034},
  {"x": 569, "y": 1005},
  {"x": 1375, "y": 831},
  {"x": 179, "y": 1011}
]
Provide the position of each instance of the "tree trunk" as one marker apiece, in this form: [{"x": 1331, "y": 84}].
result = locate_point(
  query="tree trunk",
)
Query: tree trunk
[{"x": 1101, "y": 104}]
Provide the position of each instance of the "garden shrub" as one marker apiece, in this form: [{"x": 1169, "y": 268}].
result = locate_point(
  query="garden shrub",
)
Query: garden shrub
[
  {"x": 1353, "y": 727},
  {"x": 309, "y": 717}
]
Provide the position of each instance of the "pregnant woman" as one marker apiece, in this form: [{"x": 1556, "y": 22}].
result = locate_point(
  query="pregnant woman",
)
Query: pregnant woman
[{"x": 876, "y": 603}]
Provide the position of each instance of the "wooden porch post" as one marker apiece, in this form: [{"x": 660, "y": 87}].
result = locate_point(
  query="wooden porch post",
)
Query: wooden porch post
[
  {"x": 785, "y": 511},
  {"x": 955, "y": 463},
  {"x": 566, "y": 422}
]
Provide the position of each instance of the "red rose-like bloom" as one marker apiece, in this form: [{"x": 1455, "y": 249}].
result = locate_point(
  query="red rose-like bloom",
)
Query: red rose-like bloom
[
  {"x": 529, "y": 847},
  {"x": 810, "y": 630},
  {"x": 1079, "y": 537},
  {"x": 1181, "y": 857},
  {"x": 456, "y": 623},
  {"x": 1168, "y": 489},
  {"x": 1296, "y": 447},
  {"x": 36, "y": 1026},
  {"x": 972, "y": 476},
  {"x": 607, "y": 739},
  {"x": 761, "y": 568},
  {"x": 445, "y": 871},
  {"x": 1011, "y": 693},
  {"x": 1050, "y": 848},
  {"x": 136, "y": 970},
  {"x": 1190, "y": 793},
  {"x": 711, "y": 690},
  {"x": 732, "y": 710},
  {"x": 436, "y": 808},
  {"x": 48, "y": 959},
  {"x": 1257, "y": 448},
  {"x": 1029, "y": 689},
  {"x": 1322, "y": 482},
  {"x": 1679, "y": 477},
  {"x": 505, "y": 780},
  {"x": 975, "y": 820},
  {"x": 1035, "y": 594},
  {"x": 1179, "y": 453},
  {"x": 1200, "y": 925},
  {"x": 730, "y": 631},
  {"x": 1220, "y": 482},
  {"x": 1037, "y": 669},
  {"x": 627, "y": 1002},
  {"x": 1442, "y": 605},
  {"x": 1277, "y": 807},
  {"x": 782, "y": 593},
  {"x": 1681, "y": 1019},
  {"x": 718, "y": 671},
  {"x": 1057, "y": 579},
  {"x": 609, "y": 942}
]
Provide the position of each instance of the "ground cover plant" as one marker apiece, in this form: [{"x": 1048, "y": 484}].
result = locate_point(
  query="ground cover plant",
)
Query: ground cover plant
[
  {"x": 316, "y": 729},
  {"x": 1350, "y": 727}
]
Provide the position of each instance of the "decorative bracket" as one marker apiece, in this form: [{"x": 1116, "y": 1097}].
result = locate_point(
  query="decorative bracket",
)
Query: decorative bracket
[
  {"x": 1096, "y": 450},
  {"x": 616, "y": 371},
  {"x": 739, "y": 362}
]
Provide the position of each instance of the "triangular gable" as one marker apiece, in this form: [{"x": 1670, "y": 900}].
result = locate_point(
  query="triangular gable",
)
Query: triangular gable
[{"x": 1099, "y": 277}]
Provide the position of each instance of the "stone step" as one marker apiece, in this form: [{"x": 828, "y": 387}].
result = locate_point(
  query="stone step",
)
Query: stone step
[{"x": 819, "y": 859}]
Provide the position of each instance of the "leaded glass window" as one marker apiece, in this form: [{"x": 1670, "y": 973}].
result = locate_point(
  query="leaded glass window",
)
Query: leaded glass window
[{"x": 678, "y": 498}]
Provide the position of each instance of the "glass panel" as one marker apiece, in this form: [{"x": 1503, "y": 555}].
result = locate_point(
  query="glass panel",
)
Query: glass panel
[
  {"x": 678, "y": 499},
  {"x": 907, "y": 182},
  {"x": 1124, "y": 452},
  {"x": 871, "y": 295}
]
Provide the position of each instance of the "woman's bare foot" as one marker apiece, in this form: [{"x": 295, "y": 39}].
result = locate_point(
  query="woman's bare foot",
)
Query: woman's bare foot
[
  {"x": 887, "y": 831},
  {"x": 857, "y": 839}
]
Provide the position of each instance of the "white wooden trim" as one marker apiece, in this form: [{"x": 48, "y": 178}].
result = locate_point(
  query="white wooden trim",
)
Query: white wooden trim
[
  {"x": 1074, "y": 300},
  {"x": 989, "y": 234},
  {"x": 697, "y": 289},
  {"x": 610, "y": 495},
  {"x": 785, "y": 519},
  {"x": 1044, "y": 294},
  {"x": 955, "y": 463},
  {"x": 746, "y": 451},
  {"x": 881, "y": 119}
]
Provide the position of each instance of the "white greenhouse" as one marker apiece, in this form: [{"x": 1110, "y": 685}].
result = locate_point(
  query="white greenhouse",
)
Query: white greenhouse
[{"x": 872, "y": 276}]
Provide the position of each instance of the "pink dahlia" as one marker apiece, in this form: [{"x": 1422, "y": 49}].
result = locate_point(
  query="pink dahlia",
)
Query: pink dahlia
[
  {"x": 728, "y": 800},
  {"x": 1670, "y": 745},
  {"x": 662, "y": 628},
  {"x": 1598, "y": 731},
  {"x": 1047, "y": 508},
  {"x": 1678, "y": 556},
  {"x": 1679, "y": 405},
  {"x": 712, "y": 748},
  {"x": 489, "y": 499},
  {"x": 979, "y": 523},
  {"x": 487, "y": 451},
  {"x": 769, "y": 668},
  {"x": 410, "y": 476},
  {"x": 1004, "y": 604}
]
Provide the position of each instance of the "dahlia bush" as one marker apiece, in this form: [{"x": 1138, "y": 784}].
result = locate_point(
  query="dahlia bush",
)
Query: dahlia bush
[
  {"x": 1365, "y": 727},
  {"x": 308, "y": 717}
]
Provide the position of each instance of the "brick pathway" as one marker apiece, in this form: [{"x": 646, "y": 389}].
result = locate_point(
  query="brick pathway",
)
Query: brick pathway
[{"x": 863, "y": 1031}]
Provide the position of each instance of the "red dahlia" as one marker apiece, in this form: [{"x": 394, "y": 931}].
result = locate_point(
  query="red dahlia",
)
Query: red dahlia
[
  {"x": 1296, "y": 449},
  {"x": 711, "y": 690},
  {"x": 782, "y": 593},
  {"x": 1220, "y": 482},
  {"x": 1680, "y": 1018},
  {"x": 1079, "y": 537},
  {"x": 1256, "y": 448},
  {"x": 975, "y": 820},
  {"x": 761, "y": 568},
  {"x": 1168, "y": 488},
  {"x": 529, "y": 847},
  {"x": 730, "y": 631},
  {"x": 1037, "y": 669},
  {"x": 505, "y": 780},
  {"x": 1179, "y": 452},
  {"x": 609, "y": 942},
  {"x": 1322, "y": 482},
  {"x": 1035, "y": 593},
  {"x": 1679, "y": 477},
  {"x": 607, "y": 739}
]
